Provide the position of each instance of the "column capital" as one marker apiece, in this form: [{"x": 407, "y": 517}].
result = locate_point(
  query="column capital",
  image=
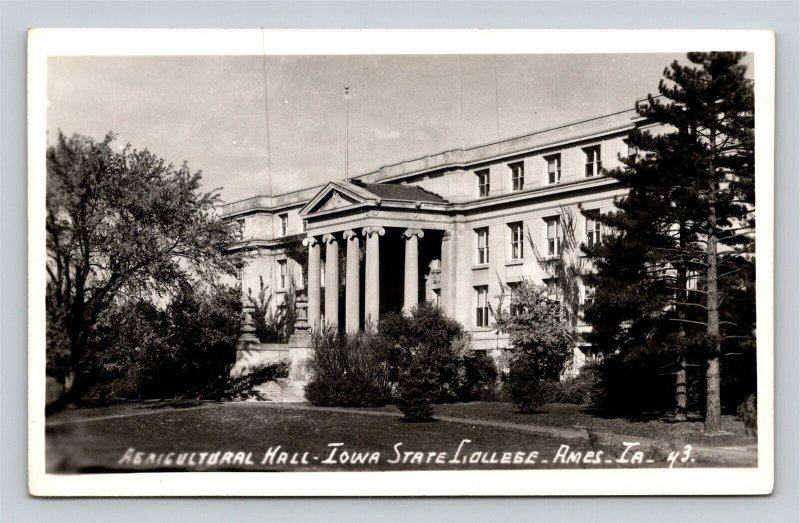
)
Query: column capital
[
  {"x": 329, "y": 238},
  {"x": 409, "y": 233},
  {"x": 349, "y": 234},
  {"x": 369, "y": 231},
  {"x": 310, "y": 241}
]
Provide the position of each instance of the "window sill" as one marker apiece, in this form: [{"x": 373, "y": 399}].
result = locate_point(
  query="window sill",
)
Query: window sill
[
  {"x": 480, "y": 266},
  {"x": 513, "y": 263}
]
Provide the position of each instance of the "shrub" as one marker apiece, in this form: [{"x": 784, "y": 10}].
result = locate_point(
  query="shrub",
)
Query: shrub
[
  {"x": 583, "y": 389},
  {"x": 542, "y": 341},
  {"x": 526, "y": 389},
  {"x": 428, "y": 338},
  {"x": 348, "y": 370},
  {"x": 477, "y": 372},
  {"x": 138, "y": 350},
  {"x": 417, "y": 388}
]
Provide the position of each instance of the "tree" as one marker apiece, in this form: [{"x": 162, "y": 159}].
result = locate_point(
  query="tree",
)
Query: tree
[
  {"x": 138, "y": 349},
  {"x": 542, "y": 339},
  {"x": 565, "y": 267},
  {"x": 426, "y": 336},
  {"x": 122, "y": 223},
  {"x": 273, "y": 325},
  {"x": 690, "y": 207}
]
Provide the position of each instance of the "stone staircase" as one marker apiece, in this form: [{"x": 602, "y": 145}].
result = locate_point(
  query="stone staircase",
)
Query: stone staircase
[{"x": 282, "y": 390}]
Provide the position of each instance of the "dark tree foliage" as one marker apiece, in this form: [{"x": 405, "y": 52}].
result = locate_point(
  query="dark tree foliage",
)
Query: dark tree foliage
[
  {"x": 348, "y": 369},
  {"x": 121, "y": 224},
  {"x": 427, "y": 337},
  {"x": 682, "y": 241},
  {"x": 138, "y": 350},
  {"x": 417, "y": 391}
]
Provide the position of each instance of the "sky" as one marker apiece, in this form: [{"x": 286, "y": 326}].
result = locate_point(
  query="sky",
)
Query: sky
[{"x": 260, "y": 125}]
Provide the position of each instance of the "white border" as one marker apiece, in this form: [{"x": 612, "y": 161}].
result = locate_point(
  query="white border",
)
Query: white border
[{"x": 43, "y": 43}]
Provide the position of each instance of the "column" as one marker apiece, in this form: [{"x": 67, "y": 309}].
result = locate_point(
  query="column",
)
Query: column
[
  {"x": 331, "y": 280},
  {"x": 313, "y": 282},
  {"x": 411, "y": 274},
  {"x": 446, "y": 275},
  {"x": 352, "y": 282},
  {"x": 372, "y": 281}
]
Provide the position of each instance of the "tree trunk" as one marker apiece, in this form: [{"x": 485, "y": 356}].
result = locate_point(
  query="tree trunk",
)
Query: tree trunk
[
  {"x": 683, "y": 297},
  {"x": 713, "y": 404},
  {"x": 680, "y": 388}
]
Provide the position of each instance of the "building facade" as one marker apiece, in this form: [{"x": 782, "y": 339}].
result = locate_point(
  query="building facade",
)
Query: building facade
[{"x": 455, "y": 228}]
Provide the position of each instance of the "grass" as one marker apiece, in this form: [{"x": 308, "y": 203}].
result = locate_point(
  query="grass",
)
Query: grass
[
  {"x": 94, "y": 439},
  {"x": 578, "y": 417}
]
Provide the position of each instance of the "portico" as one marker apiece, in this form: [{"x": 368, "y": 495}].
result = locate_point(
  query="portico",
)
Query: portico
[{"x": 384, "y": 245}]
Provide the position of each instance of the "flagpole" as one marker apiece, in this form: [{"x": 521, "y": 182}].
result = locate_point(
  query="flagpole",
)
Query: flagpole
[{"x": 346, "y": 133}]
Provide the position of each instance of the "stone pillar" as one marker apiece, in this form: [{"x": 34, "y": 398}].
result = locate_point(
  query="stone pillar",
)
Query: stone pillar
[
  {"x": 331, "y": 280},
  {"x": 300, "y": 342},
  {"x": 352, "y": 283},
  {"x": 313, "y": 282},
  {"x": 248, "y": 341},
  {"x": 447, "y": 271},
  {"x": 411, "y": 273},
  {"x": 372, "y": 282}
]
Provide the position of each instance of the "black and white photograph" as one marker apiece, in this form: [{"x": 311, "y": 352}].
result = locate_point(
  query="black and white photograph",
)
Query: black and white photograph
[{"x": 472, "y": 262}]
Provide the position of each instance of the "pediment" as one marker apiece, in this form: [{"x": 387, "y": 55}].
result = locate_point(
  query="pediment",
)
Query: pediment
[
  {"x": 333, "y": 200},
  {"x": 333, "y": 196}
]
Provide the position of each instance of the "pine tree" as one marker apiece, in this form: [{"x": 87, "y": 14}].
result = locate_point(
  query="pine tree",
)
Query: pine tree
[{"x": 688, "y": 217}]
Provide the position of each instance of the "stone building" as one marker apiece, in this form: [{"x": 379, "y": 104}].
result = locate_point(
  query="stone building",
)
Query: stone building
[{"x": 454, "y": 227}]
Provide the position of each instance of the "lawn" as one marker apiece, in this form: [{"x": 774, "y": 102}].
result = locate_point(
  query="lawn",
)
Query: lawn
[
  {"x": 242, "y": 435},
  {"x": 578, "y": 417}
]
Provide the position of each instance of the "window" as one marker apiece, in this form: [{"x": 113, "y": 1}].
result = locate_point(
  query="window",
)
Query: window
[
  {"x": 517, "y": 176},
  {"x": 482, "y": 236},
  {"x": 483, "y": 183},
  {"x": 588, "y": 295},
  {"x": 284, "y": 224},
  {"x": 482, "y": 306},
  {"x": 437, "y": 297},
  {"x": 553, "y": 236},
  {"x": 592, "y": 232},
  {"x": 514, "y": 308},
  {"x": 281, "y": 274},
  {"x": 554, "y": 169},
  {"x": 305, "y": 225},
  {"x": 238, "y": 229},
  {"x": 631, "y": 152},
  {"x": 322, "y": 273},
  {"x": 516, "y": 240},
  {"x": 593, "y": 163}
]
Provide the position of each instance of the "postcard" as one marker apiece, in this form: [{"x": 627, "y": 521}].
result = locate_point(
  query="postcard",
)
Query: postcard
[{"x": 400, "y": 262}]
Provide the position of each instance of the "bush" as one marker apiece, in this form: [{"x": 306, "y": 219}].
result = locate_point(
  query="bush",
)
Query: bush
[
  {"x": 429, "y": 339},
  {"x": 138, "y": 350},
  {"x": 348, "y": 370},
  {"x": 525, "y": 389},
  {"x": 417, "y": 388},
  {"x": 477, "y": 373},
  {"x": 583, "y": 389},
  {"x": 542, "y": 341}
]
